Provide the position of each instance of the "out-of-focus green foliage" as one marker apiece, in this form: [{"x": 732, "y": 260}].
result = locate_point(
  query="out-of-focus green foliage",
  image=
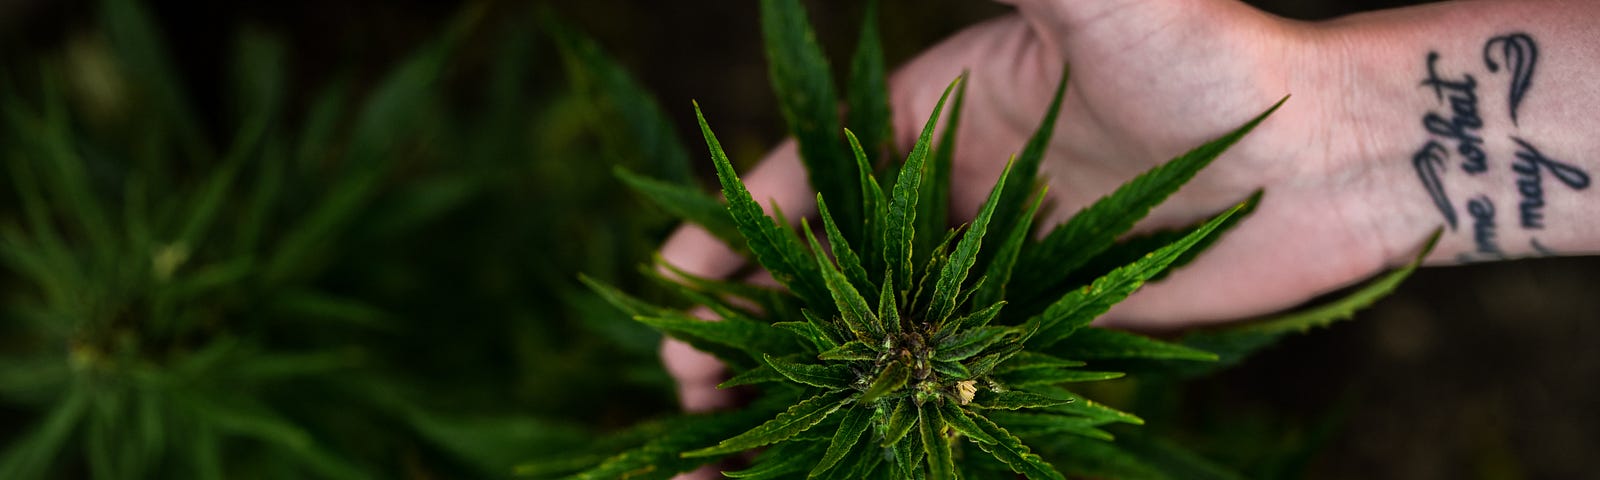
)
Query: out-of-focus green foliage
[{"x": 377, "y": 284}]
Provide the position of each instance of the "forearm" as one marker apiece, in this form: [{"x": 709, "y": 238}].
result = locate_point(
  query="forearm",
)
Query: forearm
[{"x": 1479, "y": 116}]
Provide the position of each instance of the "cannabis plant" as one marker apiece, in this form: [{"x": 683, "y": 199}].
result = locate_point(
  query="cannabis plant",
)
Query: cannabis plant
[{"x": 898, "y": 348}]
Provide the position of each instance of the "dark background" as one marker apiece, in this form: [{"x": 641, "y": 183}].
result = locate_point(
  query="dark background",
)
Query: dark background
[{"x": 1483, "y": 371}]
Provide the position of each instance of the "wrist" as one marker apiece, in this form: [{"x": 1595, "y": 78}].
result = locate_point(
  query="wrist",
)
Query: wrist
[
  {"x": 1358, "y": 141},
  {"x": 1428, "y": 101}
]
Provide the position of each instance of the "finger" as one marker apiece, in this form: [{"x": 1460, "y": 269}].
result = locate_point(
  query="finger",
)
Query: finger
[{"x": 779, "y": 179}]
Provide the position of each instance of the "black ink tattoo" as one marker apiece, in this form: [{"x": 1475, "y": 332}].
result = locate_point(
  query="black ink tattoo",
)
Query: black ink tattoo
[
  {"x": 1430, "y": 165},
  {"x": 1521, "y": 55},
  {"x": 1530, "y": 182},
  {"x": 1541, "y": 249},
  {"x": 1483, "y": 226},
  {"x": 1464, "y": 123}
]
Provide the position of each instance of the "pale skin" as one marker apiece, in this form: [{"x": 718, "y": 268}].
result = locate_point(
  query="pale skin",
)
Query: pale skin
[{"x": 1352, "y": 185}]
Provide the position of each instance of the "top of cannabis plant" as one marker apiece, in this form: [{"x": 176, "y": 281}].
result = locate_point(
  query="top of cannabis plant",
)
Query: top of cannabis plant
[{"x": 897, "y": 358}]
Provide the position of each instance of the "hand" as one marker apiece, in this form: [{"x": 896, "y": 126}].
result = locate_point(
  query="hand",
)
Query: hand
[{"x": 1150, "y": 80}]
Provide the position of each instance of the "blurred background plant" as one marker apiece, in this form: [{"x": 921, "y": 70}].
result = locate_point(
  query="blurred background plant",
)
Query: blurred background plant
[
  {"x": 371, "y": 280},
  {"x": 340, "y": 239}
]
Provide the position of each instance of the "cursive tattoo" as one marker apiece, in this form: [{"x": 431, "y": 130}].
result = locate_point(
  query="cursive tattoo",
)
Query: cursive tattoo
[
  {"x": 1529, "y": 166},
  {"x": 1483, "y": 227},
  {"x": 1464, "y": 123},
  {"x": 1430, "y": 165},
  {"x": 1521, "y": 55}
]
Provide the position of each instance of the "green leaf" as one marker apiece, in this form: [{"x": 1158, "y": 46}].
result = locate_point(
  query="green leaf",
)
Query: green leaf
[
  {"x": 921, "y": 293},
  {"x": 890, "y": 380},
  {"x": 1005, "y": 258},
  {"x": 868, "y": 92},
  {"x": 1049, "y": 376},
  {"x": 1097, "y": 227},
  {"x": 854, "y": 350},
  {"x": 849, "y": 262},
  {"x": 941, "y": 466},
  {"x": 1078, "y": 307},
  {"x": 811, "y": 333},
  {"x": 1016, "y": 400},
  {"x": 1103, "y": 344},
  {"x": 901, "y": 419},
  {"x": 783, "y": 461},
  {"x": 956, "y": 417},
  {"x": 858, "y": 317},
  {"x": 761, "y": 374},
  {"x": 1085, "y": 407},
  {"x": 933, "y": 206},
  {"x": 720, "y": 305},
  {"x": 627, "y": 303},
  {"x": 746, "y": 336},
  {"x": 799, "y": 418},
  {"x": 875, "y": 209},
  {"x": 824, "y": 376},
  {"x": 982, "y": 364},
  {"x": 966, "y": 253},
  {"x": 856, "y": 422},
  {"x": 888, "y": 311},
  {"x": 1031, "y": 360},
  {"x": 835, "y": 335},
  {"x": 687, "y": 203},
  {"x": 803, "y": 83},
  {"x": 900, "y": 224},
  {"x": 657, "y": 447},
  {"x": 908, "y": 457},
  {"x": 1234, "y": 343},
  {"x": 1042, "y": 424},
  {"x": 964, "y": 345},
  {"x": 979, "y": 318},
  {"x": 951, "y": 369},
  {"x": 1138, "y": 246},
  {"x": 777, "y": 304},
  {"x": 774, "y": 249},
  {"x": 1010, "y": 450},
  {"x": 865, "y": 461}
]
